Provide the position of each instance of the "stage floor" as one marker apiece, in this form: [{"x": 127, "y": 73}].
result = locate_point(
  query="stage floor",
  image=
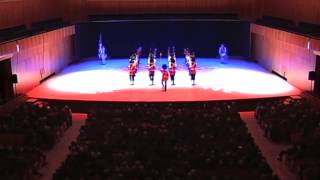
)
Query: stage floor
[{"x": 92, "y": 81}]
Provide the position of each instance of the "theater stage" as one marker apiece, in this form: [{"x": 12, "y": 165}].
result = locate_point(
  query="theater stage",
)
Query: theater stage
[{"x": 92, "y": 81}]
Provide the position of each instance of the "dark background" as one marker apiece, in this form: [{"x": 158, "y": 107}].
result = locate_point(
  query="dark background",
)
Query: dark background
[{"x": 121, "y": 38}]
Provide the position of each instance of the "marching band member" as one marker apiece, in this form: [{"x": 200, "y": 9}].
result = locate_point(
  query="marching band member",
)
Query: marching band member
[
  {"x": 165, "y": 77},
  {"x": 172, "y": 71},
  {"x": 132, "y": 72},
  {"x": 152, "y": 69},
  {"x": 222, "y": 53},
  {"x": 193, "y": 70}
]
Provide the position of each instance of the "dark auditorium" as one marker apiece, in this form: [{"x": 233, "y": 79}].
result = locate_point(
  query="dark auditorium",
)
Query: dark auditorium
[{"x": 159, "y": 90}]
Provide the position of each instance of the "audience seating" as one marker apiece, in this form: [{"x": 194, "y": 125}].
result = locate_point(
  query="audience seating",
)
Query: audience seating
[
  {"x": 26, "y": 135},
  {"x": 294, "y": 122},
  {"x": 165, "y": 141}
]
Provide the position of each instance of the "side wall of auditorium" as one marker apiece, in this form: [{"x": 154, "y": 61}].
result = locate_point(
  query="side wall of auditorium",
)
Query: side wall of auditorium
[
  {"x": 35, "y": 58},
  {"x": 288, "y": 54}
]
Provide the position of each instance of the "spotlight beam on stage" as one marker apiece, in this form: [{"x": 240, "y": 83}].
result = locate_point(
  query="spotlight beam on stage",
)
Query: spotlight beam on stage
[
  {"x": 214, "y": 81},
  {"x": 226, "y": 80}
]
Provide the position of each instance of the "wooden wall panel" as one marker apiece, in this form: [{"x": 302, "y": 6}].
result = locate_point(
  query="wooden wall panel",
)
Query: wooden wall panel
[
  {"x": 45, "y": 9},
  {"x": 102, "y": 7},
  {"x": 244, "y": 7},
  {"x": 285, "y": 53},
  {"x": 57, "y": 50},
  {"x": 284, "y": 8},
  {"x": 284, "y": 36},
  {"x": 12, "y": 13},
  {"x": 296, "y": 10},
  {"x": 74, "y": 10},
  {"x": 308, "y": 11},
  {"x": 28, "y": 62},
  {"x": 8, "y": 48},
  {"x": 17, "y": 12},
  {"x": 315, "y": 44},
  {"x": 39, "y": 56}
]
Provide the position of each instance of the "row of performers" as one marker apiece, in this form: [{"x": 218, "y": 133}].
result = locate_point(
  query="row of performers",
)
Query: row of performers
[{"x": 134, "y": 64}]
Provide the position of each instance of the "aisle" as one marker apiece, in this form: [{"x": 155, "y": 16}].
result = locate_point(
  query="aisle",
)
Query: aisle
[
  {"x": 269, "y": 149},
  {"x": 59, "y": 153}
]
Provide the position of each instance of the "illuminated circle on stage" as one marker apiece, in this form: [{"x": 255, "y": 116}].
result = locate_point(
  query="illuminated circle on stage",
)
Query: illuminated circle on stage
[
  {"x": 92, "y": 81},
  {"x": 226, "y": 80}
]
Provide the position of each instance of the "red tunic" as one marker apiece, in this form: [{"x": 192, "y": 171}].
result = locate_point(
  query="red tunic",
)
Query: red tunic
[
  {"x": 193, "y": 68},
  {"x": 152, "y": 68},
  {"x": 165, "y": 75},
  {"x": 133, "y": 70},
  {"x": 172, "y": 70}
]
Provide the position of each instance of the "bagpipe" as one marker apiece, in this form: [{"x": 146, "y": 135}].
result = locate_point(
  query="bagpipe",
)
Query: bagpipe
[
  {"x": 190, "y": 57},
  {"x": 172, "y": 60},
  {"x": 187, "y": 55},
  {"x": 152, "y": 56},
  {"x": 133, "y": 58}
]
